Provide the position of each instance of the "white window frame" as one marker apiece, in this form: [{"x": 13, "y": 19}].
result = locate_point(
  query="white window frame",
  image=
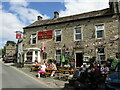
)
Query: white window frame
[
  {"x": 78, "y": 33},
  {"x": 31, "y": 41},
  {"x": 97, "y": 30},
  {"x": 98, "y": 54},
  {"x": 58, "y": 54},
  {"x": 57, "y": 35}
]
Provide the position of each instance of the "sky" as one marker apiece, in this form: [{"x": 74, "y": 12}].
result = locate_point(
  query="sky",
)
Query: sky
[{"x": 16, "y": 14}]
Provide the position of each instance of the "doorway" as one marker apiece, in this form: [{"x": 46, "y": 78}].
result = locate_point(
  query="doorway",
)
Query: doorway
[{"x": 79, "y": 59}]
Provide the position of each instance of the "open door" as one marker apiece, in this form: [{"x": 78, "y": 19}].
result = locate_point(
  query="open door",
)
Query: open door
[{"x": 79, "y": 59}]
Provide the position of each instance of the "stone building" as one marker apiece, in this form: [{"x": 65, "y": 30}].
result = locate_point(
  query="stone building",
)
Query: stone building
[
  {"x": 81, "y": 37},
  {"x": 10, "y": 49}
]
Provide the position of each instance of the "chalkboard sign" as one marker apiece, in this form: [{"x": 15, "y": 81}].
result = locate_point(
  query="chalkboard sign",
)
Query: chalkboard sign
[{"x": 118, "y": 55}]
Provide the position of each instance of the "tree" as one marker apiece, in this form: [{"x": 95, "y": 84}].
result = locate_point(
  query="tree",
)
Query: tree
[{"x": 10, "y": 42}]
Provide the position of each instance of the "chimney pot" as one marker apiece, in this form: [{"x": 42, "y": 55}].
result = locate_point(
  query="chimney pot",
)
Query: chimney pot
[
  {"x": 39, "y": 18},
  {"x": 56, "y": 14}
]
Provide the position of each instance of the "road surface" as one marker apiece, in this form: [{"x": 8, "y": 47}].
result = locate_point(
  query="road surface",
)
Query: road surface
[{"x": 12, "y": 78}]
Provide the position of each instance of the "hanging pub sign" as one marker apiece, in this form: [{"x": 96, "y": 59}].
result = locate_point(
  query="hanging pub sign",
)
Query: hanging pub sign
[
  {"x": 18, "y": 35},
  {"x": 45, "y": 34}
]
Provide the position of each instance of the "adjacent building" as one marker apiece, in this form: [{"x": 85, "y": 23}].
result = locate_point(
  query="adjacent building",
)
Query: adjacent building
[
  {"x": 82, "y": 37},
  {"x": 10, "y": 49}
]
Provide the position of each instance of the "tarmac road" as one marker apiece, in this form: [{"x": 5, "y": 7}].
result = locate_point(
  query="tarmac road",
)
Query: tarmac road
[{"x": 12, "y": 78}]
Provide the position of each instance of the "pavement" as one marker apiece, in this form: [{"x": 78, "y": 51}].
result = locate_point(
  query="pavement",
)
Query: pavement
[{"x": 49, "y": 81}]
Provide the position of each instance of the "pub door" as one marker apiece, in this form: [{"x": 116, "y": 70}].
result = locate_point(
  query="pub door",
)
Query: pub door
[{"x": 79, "y": 59}]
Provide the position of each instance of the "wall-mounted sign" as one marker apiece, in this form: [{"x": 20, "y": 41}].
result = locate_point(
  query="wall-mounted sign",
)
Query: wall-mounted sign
[
  {"x": 45, "y": 34},
  {"x": 18, "y": 35}
]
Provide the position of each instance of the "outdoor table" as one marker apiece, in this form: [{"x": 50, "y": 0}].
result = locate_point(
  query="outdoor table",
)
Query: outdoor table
[
  {"x": 49, "y": 69},
  {"x": 64, "y": 74},
  {"x": 65, "y": 71},
  {"x": 35, "y": 67}
]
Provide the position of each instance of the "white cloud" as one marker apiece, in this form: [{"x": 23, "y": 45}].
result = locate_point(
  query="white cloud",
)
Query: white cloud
[
  {"x": 10, "y": 23},
  {"x": 27, "y": 14},
  {"x": 1, "y": 6},
  {"x": 20, "y": 17},
  {"x": 81, "y": 6},
  {"x": 19, "y": 3},
  {"x": 24, "y": 13}
]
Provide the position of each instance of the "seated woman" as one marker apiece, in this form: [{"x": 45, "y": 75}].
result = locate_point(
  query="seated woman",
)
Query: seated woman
[
  {"x": 42, "y": 70},
  {"x": 54, "y": 68}
]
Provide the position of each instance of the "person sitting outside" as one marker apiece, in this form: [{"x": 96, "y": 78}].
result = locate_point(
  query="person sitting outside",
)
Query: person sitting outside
[
  {"x": 42, "y": 69},
  {"x": 104, "y": 70},
  {"x": 53, "y": 67},
  {"x": 66, "y": 66}
]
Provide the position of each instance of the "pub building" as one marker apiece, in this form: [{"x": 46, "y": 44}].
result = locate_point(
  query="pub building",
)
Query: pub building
[{"x": 80, "y": 37}]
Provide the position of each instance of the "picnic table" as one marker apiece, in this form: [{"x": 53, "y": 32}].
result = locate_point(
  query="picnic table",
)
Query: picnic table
[
  {"x": 48, "y": 72},
  {"x": 66, "y": 71},
  {"x": 64, "y": 74},
  {"x": 35, "y": 67}
]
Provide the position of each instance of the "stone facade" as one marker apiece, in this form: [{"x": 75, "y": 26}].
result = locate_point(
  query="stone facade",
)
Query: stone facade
[
  {"x": 87, "y": 45},
  {"x": 10, "y": 50}
]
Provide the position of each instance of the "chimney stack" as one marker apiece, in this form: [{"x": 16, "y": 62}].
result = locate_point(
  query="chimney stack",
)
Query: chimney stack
[
  {"x": 56, "y": 14},
  {"x": 39, "y": 18},
  {"x": 114, "y": 6}
]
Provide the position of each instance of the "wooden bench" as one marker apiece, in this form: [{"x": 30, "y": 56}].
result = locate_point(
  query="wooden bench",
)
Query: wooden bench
[
  {"x": 62, "y": 76},
  {"x": 47, "y": 74},
  {"x": 35, "y": 68}
]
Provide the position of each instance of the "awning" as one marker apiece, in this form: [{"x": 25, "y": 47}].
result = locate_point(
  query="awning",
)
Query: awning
[{"x": 35, "y": 48}]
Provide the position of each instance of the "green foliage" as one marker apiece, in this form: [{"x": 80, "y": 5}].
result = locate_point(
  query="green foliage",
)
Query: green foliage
[
  {"x": 10, "y": 42},
  {"x": 68, "y": 60},
  {"x": 50, "y": 60},
  {"x": 0, "y": 51},
  {"x": 111, "y": 59}
]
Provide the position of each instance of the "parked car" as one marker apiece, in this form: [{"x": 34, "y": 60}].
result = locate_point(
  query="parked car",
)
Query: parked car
[
  {"x": 112, "y": 81},
  {"x": 9, "y": 59}
]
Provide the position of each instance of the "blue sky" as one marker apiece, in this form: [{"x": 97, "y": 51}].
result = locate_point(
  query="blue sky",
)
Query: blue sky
[{"x": 16, "y": 14}]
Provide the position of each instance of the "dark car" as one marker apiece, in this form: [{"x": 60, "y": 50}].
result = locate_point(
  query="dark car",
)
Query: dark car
[
  {"x": 113, "y": 80},
  {"x": 9, "y": 59}
]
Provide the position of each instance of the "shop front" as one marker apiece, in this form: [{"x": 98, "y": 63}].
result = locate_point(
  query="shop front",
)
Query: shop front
[{"x": 32, "y": 54}]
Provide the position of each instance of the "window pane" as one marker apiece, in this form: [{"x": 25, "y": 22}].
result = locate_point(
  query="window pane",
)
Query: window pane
[
  {"x": 78, "y": 36},
  {"x": 34, "y": 41},
  {"x": 100, "y": 27},
  {"x": 58, "y": 38},
  {"x": 58, "y": 32},
  {"x": 101, "y": 50},
  {"x": 102, "y": 57},
  {"x": 58, "y": 58},
  {"x": 100, "y": 34},
  {"x": 44, "y": 55},
  {"x": 58, "y": 52},
  {"x": 78, "y": 30},
  {"x": 29, "y": 53}
]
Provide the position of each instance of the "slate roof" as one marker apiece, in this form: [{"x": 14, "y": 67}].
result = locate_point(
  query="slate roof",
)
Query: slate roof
[{"x": 87, "y": 15}]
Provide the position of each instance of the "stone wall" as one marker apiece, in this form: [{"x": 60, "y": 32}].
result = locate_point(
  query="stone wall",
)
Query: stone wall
[{"x": 88, "y": 26}]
